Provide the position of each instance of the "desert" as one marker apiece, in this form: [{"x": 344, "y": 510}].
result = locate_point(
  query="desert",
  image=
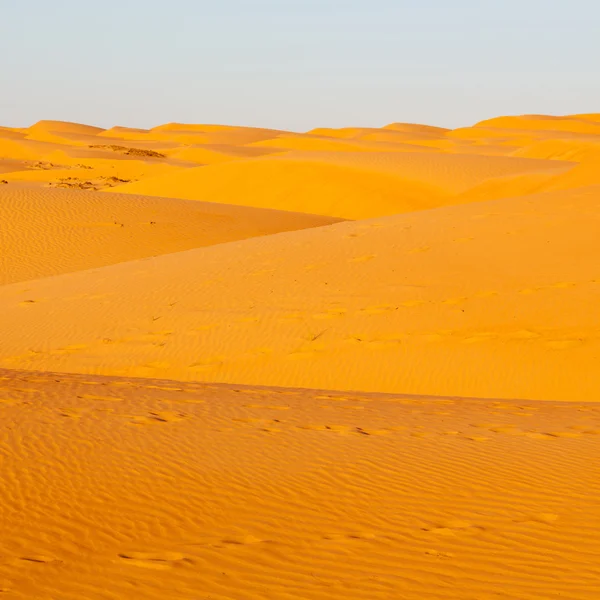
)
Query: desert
[{"x": 242, "y": 363}]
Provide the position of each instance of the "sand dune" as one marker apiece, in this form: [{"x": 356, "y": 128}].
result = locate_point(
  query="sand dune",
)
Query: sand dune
[
  {"x": 417, "y": 128},
  {"x": 211, "y": 134},
  {"x": 208, "y": 154},
  {"x": 58, "y": 231},
  {"x": 296, "y": 183},
  {"x": 351, "y": 185},
  {"x": 63, "y": 127},
  {"x": 493, "y": 299},
  {"x": 315, "y": 143},
  {"x": 562, "y": 149},
  {"x": 575, "y": 123}
]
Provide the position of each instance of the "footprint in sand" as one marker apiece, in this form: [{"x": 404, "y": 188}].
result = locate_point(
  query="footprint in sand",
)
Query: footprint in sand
[
  {"x": 564, "y": 434},
  {"x": 545, "y": 518},
  {"x": 166, "y": 416},
  {"x": 373, "y": 431},
  {"x": 72, "y": 413},
  {"x": 453, "y": 527},
  {"x": 267, "y": 407},
  {"x": 242, "y": 540},
  {"x": 362, "y": 259},
  {"x": 438, "y": 554},
  {"x": 94, "y": 397},
  {"x": 149, "y": 560},
  {"x": 38, "y": 558}
]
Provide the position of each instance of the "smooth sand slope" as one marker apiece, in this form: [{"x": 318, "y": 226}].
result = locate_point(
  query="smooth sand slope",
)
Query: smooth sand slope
[
  {"x": 47, "y": 232},
  {"x": 494, "y": 299},
  {"x": 353, "y": 185},
  {"x": 145, "y": 489}
]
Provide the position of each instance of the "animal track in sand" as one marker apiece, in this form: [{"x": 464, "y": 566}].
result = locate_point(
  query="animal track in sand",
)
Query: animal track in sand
[
  {"x": 149, "y": 560},
  {"x": 28, "y": 302},
  {"x": 72, "y": 413},
  {"x": 242, "y": 540},
  {"x": 370, "y": 431},
  {"x": 362, "y": 259},
  {"x": 358, "y": 535},
  {"x": 155, "y": 417},
  {"x": 267, "y": 407},
  {"x": 564, "y": 434},
  {"x": 72, "y": 349},
  {"x": 439, "y": 554},
  {"x": 330, "y": 314},
  {"x": 545, "y": 518},
  {"x": 452, "y": 527},
  {"x": 94, "y": 397},
  {"x": 39, "y": 558},
  {"x": 454, "y": 301},
  {"x": 340, "y": 429},
  {"x": 207, "y": 364},
  {"x": 412, "y": 303},
  {"x": 378, "y": 309},
  {"x": 304, "y": 353},
  {"x": 480, "y": 337},
  {"x": 161, "y": 388},
  {"x": 166, "y": 416}
]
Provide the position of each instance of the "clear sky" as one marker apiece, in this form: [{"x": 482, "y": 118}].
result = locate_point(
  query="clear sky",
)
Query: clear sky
[{"x": 296, "y": 64}]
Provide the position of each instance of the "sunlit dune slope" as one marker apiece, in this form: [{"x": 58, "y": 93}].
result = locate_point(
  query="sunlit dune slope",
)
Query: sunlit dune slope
[
  {"x": 211, "y": 134},
  {"x": 580, "y": 175},
  {"x": 417, "y": 128},
  {"x": 562, "y": 149},
  {"x": 24, "y": 149},
  {"x": 350, "y": 185},
  {"x": 58, "y": 231},
  {"x": 208, "y": 154},
  {"x": 575, "y": 123},
  {"x": 493, "y": 299},
  {"x": 302, "y": 185},
  {"x": 63, "y": 127},
  {"x": 122, "y": 132},
  {"x": 315, "y": 143},
  {"x": 148, "y": 489}
]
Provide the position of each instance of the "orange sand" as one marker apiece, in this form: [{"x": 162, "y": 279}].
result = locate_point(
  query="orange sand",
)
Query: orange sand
[
  {"x": 60, "y": 231},
  {"x": 135, "y": 263}
]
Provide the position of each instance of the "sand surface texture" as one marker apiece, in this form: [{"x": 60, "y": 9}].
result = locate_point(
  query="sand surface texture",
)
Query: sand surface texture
[{"x": 242, "y": 363}]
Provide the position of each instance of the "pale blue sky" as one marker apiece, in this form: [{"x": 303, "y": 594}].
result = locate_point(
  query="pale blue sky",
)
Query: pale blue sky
[{"x": 296, "y": 64}]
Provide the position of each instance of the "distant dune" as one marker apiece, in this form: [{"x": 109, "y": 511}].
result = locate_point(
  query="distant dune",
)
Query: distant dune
[{"x": 351, "y": 185}]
